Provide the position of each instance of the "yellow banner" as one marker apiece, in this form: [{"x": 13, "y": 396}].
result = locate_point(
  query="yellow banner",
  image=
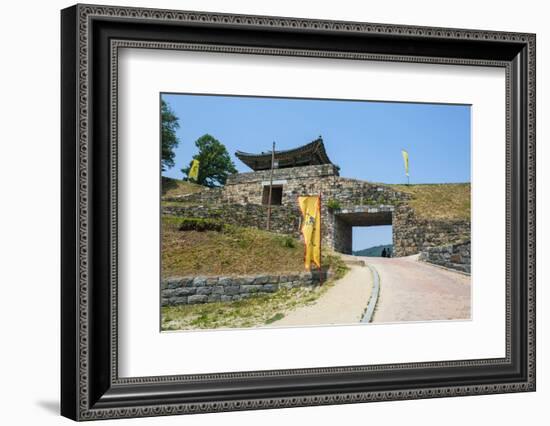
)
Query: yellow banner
[
  {"x": 406, "y": 161},
  {"x": 194, "y": 172},
  {"x": 311, "y": 229}
]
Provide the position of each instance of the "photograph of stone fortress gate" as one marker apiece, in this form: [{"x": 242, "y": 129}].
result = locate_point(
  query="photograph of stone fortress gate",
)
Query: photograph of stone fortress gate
[{"x": 232, "y": 253}]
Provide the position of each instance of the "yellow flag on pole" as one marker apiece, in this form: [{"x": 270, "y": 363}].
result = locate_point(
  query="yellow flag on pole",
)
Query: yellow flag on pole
[
  {"x": 311, "y": 229},
  {"x": 194, "y": 172},
  {"x": 405, "y": 161}
]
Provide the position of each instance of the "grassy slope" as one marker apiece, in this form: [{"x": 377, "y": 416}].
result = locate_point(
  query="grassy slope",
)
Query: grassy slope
[
  {"x": 175, "y": 187},
  {"x": 234, "y": 251},
  {"x": 439, "y": 201}
]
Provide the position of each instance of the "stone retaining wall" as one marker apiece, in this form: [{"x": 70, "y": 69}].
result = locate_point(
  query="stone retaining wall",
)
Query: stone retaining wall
[
  {"x": 284, "y": 219},
  {"x": 453, "y": 256},
  {"x": 411, "y": 235},
  {"x": 355, "y": 192},
  {"x": 201, "y": 289},
  {"x": 354, "y": 203},
  {"x": 205, "y": 196}
]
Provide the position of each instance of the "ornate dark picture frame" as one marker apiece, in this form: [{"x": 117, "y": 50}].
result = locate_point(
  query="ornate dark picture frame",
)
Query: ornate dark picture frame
[{"x": 91, "y": 37}]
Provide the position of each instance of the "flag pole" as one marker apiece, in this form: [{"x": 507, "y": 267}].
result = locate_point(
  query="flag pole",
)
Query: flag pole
[
  {"x": 320, "y": 244},
  {"x": 270, "y": 187},
  {"x": 405, "y": 155}
]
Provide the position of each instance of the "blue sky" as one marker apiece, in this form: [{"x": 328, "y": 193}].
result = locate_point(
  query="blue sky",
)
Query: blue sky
[{"x": 364, "y": 138}]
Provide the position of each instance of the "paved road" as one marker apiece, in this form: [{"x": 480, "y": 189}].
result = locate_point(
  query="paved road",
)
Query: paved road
[
  {"x": 414, "y": 291},
  {"x": 344, "y": 303}
]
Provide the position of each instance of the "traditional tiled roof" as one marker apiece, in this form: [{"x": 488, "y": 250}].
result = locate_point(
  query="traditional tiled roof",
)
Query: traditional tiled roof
[{"x": 310, "y": 154}]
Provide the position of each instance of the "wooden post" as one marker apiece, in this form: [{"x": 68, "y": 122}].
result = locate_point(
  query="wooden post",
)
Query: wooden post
[{"x": 270, "y": 187}]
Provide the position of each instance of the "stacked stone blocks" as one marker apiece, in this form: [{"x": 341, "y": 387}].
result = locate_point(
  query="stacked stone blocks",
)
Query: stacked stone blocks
[
  {"x": 203, "y": 289},
  {"x": 239, "y": 202},
  {"x": 453, "y": 256},
  {"x": 284, "y": 219}
]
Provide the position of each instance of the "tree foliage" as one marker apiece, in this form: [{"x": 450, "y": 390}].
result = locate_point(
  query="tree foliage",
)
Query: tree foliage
[
  {"x": 169, "y": 125},
  {"x": 215, "y": 162}
]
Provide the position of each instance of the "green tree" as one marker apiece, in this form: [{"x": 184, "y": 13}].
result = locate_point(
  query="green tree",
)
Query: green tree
[
  {"x": 215, "y": 163},
  {"x": 169, "y": 125}
]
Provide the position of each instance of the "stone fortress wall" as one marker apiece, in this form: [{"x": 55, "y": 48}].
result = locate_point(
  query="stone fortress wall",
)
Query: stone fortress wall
[
  {"x": 345, "y": 203},
  {"x": 284, "y": 219}
]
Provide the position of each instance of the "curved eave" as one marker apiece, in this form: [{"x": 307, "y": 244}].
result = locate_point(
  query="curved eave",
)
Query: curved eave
[{"x": 313, "y": 153}]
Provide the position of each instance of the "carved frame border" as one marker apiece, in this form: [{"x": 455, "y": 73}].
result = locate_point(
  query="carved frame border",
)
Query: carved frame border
[{"x": 85, "y": 409}]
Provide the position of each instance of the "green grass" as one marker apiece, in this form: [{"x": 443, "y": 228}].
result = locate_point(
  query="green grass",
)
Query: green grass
[
  {"x": 175, "y": 187},
  {"x": 178, "y": 203},
  {"x": 335, "y": 263},
  {"x": 449, "y": 201},
  {"x": 334, "y": 204},
  {"x": 200, "y": 224},
  {"x": 233, "y": 251}
]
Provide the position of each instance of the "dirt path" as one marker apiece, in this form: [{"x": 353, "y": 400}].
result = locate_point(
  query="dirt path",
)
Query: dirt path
[
  {"x": 344, "y": 303},
  {"x": 414, "y": 291}
]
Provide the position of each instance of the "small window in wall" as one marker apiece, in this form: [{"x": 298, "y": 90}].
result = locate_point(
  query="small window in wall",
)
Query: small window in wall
[{"x": 276, "y": 195}]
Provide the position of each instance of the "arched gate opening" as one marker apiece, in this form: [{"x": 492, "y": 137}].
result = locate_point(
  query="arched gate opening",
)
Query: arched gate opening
[{"x": 362, "y": 216}]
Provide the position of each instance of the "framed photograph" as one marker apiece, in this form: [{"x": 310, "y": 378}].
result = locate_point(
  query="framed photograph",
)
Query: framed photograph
[{"x": 263, "y": 212}]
